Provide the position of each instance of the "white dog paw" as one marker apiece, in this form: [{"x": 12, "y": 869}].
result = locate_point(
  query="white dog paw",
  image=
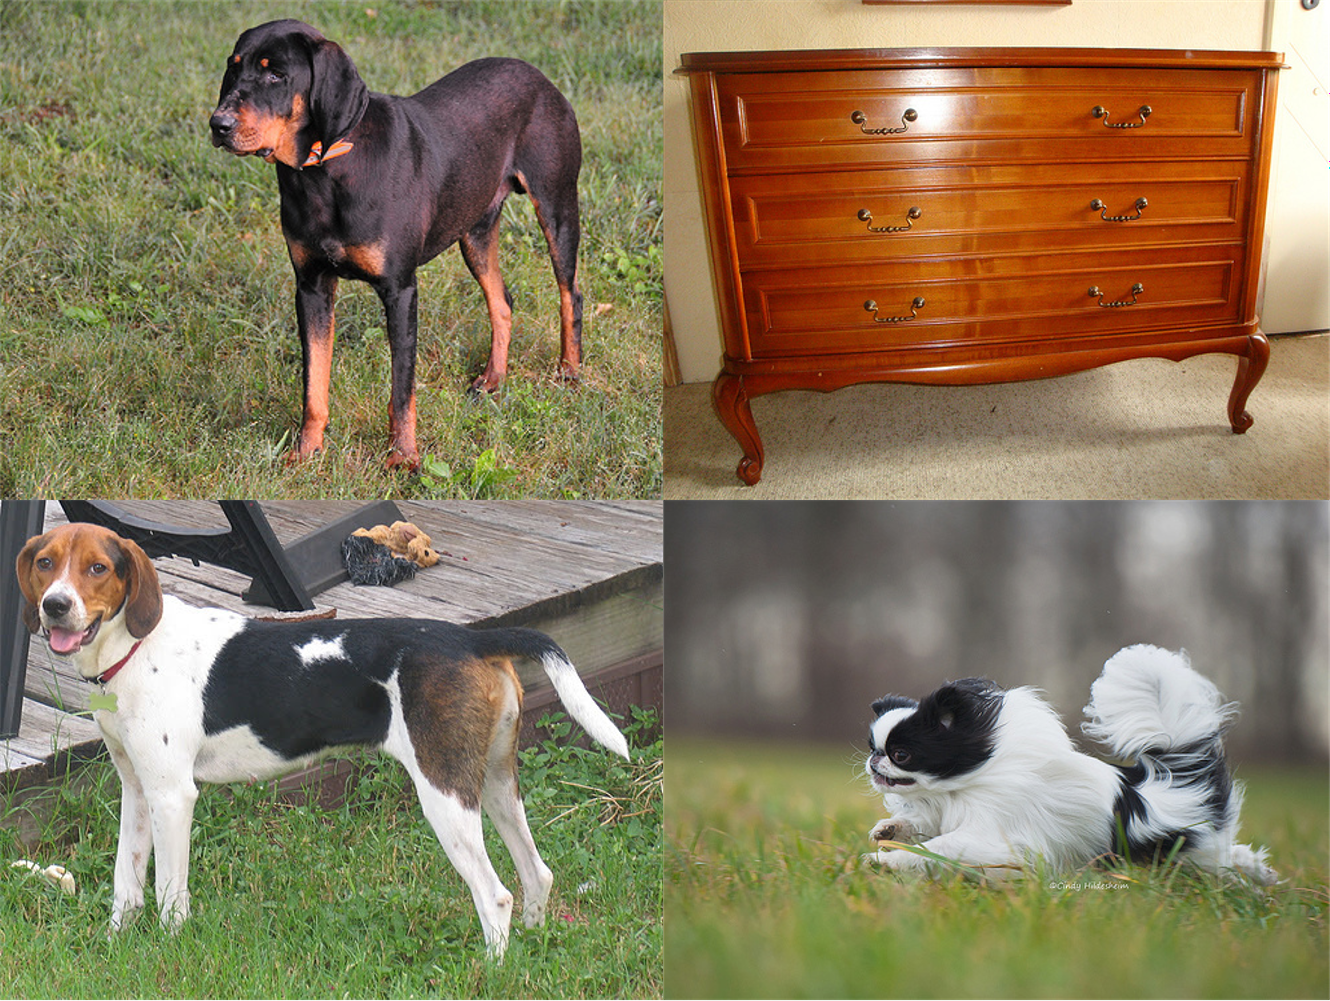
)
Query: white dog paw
[
  {"x": 898, "y": 860},
  {"x": 892, "y": 829}
]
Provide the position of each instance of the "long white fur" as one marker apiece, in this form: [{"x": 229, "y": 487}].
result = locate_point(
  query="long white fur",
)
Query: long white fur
[
  {"x": 1148, "y": 705},
  {"x": 1148, "y": 699},
  {"x": 1037, "y": 797}
]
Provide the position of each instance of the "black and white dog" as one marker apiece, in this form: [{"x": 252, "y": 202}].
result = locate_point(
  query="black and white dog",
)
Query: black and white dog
[
  {"x": 207, "y": 695},
  {"x": 989, "y": 778}
]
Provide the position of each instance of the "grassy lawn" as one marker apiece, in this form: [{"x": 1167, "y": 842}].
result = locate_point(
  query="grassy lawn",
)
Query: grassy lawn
[
  {"x": 766, "y": 898},
  {"x": 147, "y": 323},
  {"x": 354, "y": 902}
]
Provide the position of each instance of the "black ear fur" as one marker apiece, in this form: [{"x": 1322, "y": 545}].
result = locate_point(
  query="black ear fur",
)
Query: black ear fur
[
  {"x": 971, "y": 702},
  {"x": 889, "y": 702},
  {"x": 337, "y": 95}
]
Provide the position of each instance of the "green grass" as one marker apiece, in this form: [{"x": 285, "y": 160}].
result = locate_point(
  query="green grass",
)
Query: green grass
[
  {"x": 354, "y": 902},
  {"x": 147, "y": 322},
  {"x": 766, "y": 897}
]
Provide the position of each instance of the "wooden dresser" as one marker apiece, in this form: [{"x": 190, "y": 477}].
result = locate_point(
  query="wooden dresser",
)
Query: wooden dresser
[{"x": 979, "y": 215}]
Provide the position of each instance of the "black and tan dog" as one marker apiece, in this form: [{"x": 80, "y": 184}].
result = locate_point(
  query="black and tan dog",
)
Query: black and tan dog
[{"x": 373, "y": 186}]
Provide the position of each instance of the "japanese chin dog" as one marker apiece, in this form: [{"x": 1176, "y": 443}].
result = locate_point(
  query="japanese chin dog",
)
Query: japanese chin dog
[{"x": 989, "y": 778}]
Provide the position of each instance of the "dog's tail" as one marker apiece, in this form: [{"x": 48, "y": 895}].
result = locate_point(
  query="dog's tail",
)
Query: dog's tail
[
  {"x": 1153, "y": 711},
  {"x": 1149, "y": 703},
  {"x": 567, "y": 682}
]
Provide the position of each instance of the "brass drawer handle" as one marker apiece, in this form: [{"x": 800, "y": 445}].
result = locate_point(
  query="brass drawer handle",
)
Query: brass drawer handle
[
  {"x": 1098, "y": 206},
  {"x": 1136, "y": 290},
  {"x": 915, "y": 306},
  {"x": 914, "y": 213},
  {"x": 1100, "y": 112},
  {"x": 859, "y": 118}
]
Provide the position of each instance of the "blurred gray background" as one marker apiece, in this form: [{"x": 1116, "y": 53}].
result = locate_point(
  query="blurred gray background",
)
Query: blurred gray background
[{"x": 786, "y": 619}]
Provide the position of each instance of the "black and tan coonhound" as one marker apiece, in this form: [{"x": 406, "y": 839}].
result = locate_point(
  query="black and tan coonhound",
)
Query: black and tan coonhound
[{"x": 373, "y": 186}]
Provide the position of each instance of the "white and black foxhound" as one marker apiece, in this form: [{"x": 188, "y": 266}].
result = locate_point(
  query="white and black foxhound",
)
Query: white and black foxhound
[{"x": 208, "y": 695}]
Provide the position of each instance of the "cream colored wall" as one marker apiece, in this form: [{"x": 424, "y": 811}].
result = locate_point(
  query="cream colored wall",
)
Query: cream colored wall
[{"x": 725, "y": 25}]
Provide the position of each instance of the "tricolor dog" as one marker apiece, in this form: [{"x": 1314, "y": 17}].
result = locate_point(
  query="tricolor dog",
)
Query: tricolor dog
[{"x": 207, "y": 695}]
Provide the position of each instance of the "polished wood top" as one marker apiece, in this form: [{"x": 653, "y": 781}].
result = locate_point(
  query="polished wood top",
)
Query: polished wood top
[{"x": 795, "y": 60}]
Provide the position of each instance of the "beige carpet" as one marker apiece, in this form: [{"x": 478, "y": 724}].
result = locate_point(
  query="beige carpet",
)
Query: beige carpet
[{"x": 1148, "y": 428}]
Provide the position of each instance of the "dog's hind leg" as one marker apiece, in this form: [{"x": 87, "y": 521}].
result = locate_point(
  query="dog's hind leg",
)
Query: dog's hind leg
[
  {"x": 458, "y": 829},
  {"x": 503, "y": 803},
  {"x": 442, "y": 740},
  {"x": 480, "y": 250},
  {"x": 555, "y": 201}
]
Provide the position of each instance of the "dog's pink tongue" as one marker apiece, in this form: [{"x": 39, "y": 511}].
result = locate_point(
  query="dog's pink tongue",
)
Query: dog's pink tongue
[{"x": 65, "y": 640}]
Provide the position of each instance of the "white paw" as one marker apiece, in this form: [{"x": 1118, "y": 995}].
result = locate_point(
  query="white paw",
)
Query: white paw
[
  {"x": 898, "y": 860},
  {"x": 892, "y": 829}
]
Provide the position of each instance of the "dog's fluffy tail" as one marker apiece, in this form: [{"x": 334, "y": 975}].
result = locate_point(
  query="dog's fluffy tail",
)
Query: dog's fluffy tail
[
  {"x": 1148, "y": 702},
  {"x": 1152, "y": 710},
  {"x": 567, "y": 683}
]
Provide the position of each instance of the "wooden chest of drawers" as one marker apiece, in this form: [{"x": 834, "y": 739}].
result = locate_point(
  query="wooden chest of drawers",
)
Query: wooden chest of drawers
[{"x": 979, "y": 215}]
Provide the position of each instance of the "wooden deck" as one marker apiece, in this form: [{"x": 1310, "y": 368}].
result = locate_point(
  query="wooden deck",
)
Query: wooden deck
[{"x": 588, "y": 573}]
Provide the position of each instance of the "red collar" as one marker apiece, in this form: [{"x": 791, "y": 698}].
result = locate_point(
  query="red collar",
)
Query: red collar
[
  {"x": 114, "y": 669},
  {"x": 317, "y": 156}
]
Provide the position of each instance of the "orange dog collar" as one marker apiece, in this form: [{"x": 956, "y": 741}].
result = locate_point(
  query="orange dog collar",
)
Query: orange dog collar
[{"x": 317, "y": 156}]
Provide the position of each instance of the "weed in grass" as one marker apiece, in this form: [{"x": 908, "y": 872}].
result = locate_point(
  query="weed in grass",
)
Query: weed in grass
[
  {"x": 357, "y": 900},
  {"x": 486, "y": 478}
]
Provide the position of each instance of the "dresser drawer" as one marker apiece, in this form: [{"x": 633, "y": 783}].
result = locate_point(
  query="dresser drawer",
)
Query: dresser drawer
[
  {"x": 826, "y": 217},
  {"x": 1005, "y": 113},
  {"x": 821, "y": 310}
]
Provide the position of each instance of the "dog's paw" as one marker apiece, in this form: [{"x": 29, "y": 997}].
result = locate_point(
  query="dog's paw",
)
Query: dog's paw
[
  {"x": 486, "y": 383},
  {"x": 404, "y": 460},
  {"x": 123, "y": 913},
  {"x": 893, "y": 829},
  {"x": 1254, "y": 864},
  {"x": 309, "y": 442},
  {"x": 898, "y": 860}
]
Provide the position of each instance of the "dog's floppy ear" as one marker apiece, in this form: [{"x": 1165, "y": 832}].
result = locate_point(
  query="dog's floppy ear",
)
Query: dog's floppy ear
[
  {"x": 970, "y": 700},
  {"x": 337, "y": 95},
  {"x": 23, "y": 568},
  {"x": 143, "y": 592}
]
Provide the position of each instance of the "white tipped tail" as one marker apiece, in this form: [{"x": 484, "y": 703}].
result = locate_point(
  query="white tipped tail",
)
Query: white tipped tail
[{"x": 581, "y": 706}]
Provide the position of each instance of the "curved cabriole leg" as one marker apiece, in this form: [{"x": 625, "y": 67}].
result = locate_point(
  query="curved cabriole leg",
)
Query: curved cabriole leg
[
  {"x": 1250, "y": 368},
  {"x": 732, "y": 406}
]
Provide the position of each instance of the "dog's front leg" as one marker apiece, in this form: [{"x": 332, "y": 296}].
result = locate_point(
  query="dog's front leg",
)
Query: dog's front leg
[
  {"x": 172, "y": 816},
  {"x": 315, "y": 297},
  {"x": 399, "y": 308},
  {"x": 994, "y": 857},
  {"x": 895, "y": 829},
  {"x": 135, "y": 844}
]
